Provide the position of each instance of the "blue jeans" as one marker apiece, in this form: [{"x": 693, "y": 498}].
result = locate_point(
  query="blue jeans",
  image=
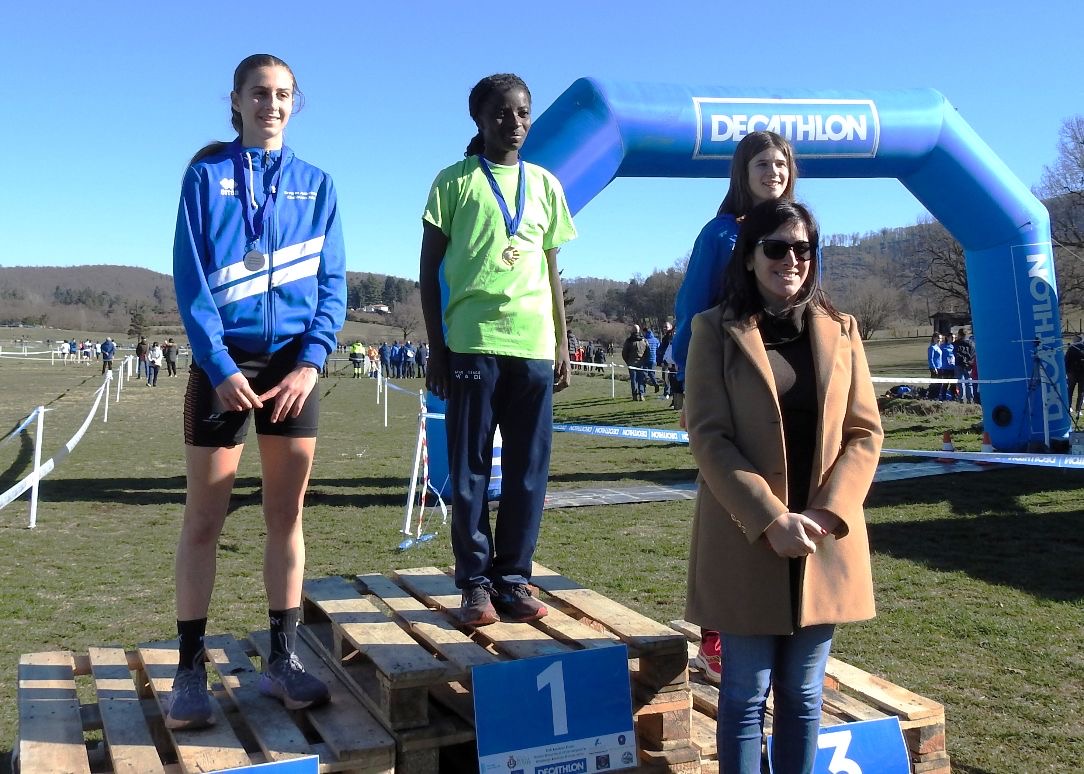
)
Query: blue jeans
[
  {"x": 636, "y": 381},
  {"x": 966, "y": 385},
  {"x": 793, "y": 667},
  {"x": 516, "y": 394}
]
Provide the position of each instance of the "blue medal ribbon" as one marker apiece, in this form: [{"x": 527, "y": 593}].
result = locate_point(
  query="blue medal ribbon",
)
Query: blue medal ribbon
[
  {"x": 510, "y": 223},
  {"x": 254, "y": 226}
]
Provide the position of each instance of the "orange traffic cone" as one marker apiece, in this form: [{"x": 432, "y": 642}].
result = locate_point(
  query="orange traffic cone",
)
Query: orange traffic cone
[
  {"x": 947, "y": 446},
  {"x": 987, "y": 448}
]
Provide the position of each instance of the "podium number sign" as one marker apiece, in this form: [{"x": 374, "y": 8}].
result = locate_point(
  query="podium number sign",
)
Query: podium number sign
[
  {"x": 564, "y": 714},
  {"x": 862, "y": 747}
]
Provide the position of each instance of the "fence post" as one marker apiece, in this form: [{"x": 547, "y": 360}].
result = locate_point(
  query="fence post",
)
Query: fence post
[{"x": 37, "y": 467}]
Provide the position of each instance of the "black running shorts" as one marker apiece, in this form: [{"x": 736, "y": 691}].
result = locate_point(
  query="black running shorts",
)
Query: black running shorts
[{"x": 204, "y": 426}]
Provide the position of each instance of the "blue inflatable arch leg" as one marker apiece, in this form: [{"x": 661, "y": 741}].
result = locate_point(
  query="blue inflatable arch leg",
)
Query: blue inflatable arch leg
[{"x": 598, "y": 131}]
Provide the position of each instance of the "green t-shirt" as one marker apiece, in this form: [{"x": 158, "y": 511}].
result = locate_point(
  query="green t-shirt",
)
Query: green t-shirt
[{"x": 494, "y": 308}]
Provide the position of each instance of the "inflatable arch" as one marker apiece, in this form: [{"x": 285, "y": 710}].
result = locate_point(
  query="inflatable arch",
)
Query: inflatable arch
[{"x": 597, "y": 131}]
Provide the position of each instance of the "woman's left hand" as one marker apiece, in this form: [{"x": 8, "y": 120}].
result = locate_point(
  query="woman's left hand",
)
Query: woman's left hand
[
  {"x": 826, "y": 520},
  {"x": 291, "y": 393}
]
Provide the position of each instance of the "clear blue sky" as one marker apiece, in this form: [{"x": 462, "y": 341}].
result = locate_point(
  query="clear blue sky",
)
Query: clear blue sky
[{"x": 106, "y": 102}]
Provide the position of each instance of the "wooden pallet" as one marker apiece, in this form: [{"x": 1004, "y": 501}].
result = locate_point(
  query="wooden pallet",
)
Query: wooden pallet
[
  {"x": 849, "y": 694},
  {"x": 398, "y": 640},
  {"x": 398, "y": 664},
  {"x": 57, "y": 733}
]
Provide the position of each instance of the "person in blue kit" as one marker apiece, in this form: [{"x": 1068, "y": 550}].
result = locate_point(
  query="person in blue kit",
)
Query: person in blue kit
[
  {"x": 108, "y": 350},
  {"x": 492, "y": 227},
  {"x": 259, "y": 268},
  {"x": 763, "y": 169}
]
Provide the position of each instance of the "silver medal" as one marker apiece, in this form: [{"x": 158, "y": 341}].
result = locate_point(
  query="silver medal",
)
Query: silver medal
[{"x": 255, "y": 260}]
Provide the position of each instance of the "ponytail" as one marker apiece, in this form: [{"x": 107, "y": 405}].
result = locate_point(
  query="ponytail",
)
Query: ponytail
[
  {"x": 210, "y": 149},
  {"x": 476, "y": 145}
]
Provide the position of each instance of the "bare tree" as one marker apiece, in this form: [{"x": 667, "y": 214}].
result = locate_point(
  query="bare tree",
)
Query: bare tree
[
  {"x": 406, "y": 315},
  {"x": 873, "y": 303},
  {"x": 1062, "y": 188},
  {"x": 940, "y": 265}
]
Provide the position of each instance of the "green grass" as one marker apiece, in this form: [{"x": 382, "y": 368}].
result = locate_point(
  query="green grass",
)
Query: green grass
[{"x": 979, "y": 576}]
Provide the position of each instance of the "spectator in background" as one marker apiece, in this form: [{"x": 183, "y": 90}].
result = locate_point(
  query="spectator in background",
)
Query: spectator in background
[
  {"x": 651, "y": 360},
  {"x": 170, "y": 355},
  {"x": 396, "y": 356},
  {"x": 1074, "y": 371},
  {"x": 408, "y": 354},
  {"x": 664, "y": 353},
  {"x": 374, "y": 361},
  {"x": 108, "y": 349},
  {"x": 422, "y": 359},
  {"x": 633, "y": 353},
  {"x": 357, "y": 358},
  {"x": 73, "y": 351},
  {"x": 385, "y": 359},
  {"x": 154, "y": 364},
  {"x": 948, "y": 367},
  {"x": 141, "y": 358},
  {"x": 964, "y": 354},
  {"x": 934, "y": 360}
]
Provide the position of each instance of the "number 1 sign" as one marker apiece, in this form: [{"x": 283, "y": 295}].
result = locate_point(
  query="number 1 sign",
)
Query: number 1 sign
[{"x": 565, "y": 714}]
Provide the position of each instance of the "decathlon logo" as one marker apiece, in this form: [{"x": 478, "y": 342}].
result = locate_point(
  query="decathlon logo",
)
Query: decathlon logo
[
  {"x": 567, "y": 767},
  {"x": 837, "y": 128},
  {"x": 228, "y": 187}
]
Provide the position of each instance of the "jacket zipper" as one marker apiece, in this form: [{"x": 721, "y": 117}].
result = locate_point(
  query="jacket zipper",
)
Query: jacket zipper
[{"x": 269, "y": 318}]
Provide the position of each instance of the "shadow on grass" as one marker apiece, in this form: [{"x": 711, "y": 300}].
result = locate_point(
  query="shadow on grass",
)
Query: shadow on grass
[
  {"x": 992, "y": 535},
  {"x": 247, "y": 490}
]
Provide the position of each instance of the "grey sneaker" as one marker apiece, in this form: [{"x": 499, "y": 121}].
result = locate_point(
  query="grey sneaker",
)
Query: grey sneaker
[
  {"x": 517, "y": 604},
  {"x": 476, "y": 607},
  {"x": 287, "y": 681},
  {"x": 189, "y": 702}
]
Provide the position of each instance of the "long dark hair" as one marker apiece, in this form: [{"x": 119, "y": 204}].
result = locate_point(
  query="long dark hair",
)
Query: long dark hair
[
  {"x": 739, "y": 199},
  {"x": 479, "y": 96},
  {"x": 240, "y": 74},
  {"x": 740, "y": 294}
]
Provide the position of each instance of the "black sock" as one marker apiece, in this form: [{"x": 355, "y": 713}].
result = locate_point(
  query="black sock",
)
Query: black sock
[
  {"x": 190, "y": 634},
  {"x": 283, "y": 631}
]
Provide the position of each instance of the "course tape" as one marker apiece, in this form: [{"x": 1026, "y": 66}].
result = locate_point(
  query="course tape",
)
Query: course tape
[
  {"x": 612, "y": 431},
  {"x": 401, "y": 389},
  {"x": 1001, "y": 458},
  {"x": 931, "y": 380},
  {"x": 22, "y": 426},
  {"x": 47, "y": 467}
]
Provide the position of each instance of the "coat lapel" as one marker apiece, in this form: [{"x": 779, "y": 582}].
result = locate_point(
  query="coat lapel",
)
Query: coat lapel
[
  {"x": 747, "y": 336},
  {"x": 824, "y": 335}
]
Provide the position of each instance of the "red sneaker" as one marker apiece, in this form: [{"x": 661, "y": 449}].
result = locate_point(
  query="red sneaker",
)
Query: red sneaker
[
  {"x": 708, "y": 658},
  {"x": 516, "y": 604},
  {"x": 476, "y": 609}
]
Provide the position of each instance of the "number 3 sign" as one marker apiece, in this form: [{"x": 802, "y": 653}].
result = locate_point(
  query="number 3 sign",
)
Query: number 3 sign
[
  {"x": 863, "y": 747},
  {"x": 568, "y": 713}
]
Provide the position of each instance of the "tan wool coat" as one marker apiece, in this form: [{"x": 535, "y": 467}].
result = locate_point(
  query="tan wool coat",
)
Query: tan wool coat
[{"x": 737, "y": 583}]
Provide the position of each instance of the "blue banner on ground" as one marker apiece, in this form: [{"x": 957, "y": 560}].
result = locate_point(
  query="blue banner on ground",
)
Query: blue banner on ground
[{"x": 611, "y": 431}]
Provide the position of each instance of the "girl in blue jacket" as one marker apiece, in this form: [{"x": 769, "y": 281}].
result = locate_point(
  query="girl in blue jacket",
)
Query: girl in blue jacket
[
  {"x": 260, "y": 275},
  {"x": 763, "y": 169}
]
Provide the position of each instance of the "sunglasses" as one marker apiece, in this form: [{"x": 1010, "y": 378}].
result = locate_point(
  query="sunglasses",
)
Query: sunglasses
[{"x": 777, "y": 249}]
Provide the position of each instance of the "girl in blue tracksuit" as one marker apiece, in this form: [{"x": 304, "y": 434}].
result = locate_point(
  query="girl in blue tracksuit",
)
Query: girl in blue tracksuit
[
  {"x": 763, "y": 169},
  {"x": 260, "y": 275}
]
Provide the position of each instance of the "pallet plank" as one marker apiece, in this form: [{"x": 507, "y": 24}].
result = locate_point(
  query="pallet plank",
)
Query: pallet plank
[
  {"x": 206, "y": 749},
  {"x": 883, "y": 694},
  {"x": 516, "y": 640},
  {"x": 50, "y": 729},
  {"x": 131, "y": 745},
  {"x": 394, "y": 652},
  {"x": 277, "y": 735},
  {"x": 347, "y": 727},
  {"x": 432, "y": 627},
  {"x": 642, "y": 634}
]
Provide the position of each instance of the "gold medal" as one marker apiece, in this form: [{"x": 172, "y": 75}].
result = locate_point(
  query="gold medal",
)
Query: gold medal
[{"x": 510, "y": 255}]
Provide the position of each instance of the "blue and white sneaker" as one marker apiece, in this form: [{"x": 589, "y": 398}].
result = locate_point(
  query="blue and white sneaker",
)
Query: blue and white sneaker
[
  {"x": 189, "y": 702},
  {"x": 287, "y": 681}
]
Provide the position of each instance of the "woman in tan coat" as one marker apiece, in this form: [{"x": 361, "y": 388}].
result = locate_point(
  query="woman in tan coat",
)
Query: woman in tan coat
[{"x": 783, "y": 424}]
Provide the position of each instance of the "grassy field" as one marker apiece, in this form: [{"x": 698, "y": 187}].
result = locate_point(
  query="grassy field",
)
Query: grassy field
[{"x": 979, "y": 576}]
